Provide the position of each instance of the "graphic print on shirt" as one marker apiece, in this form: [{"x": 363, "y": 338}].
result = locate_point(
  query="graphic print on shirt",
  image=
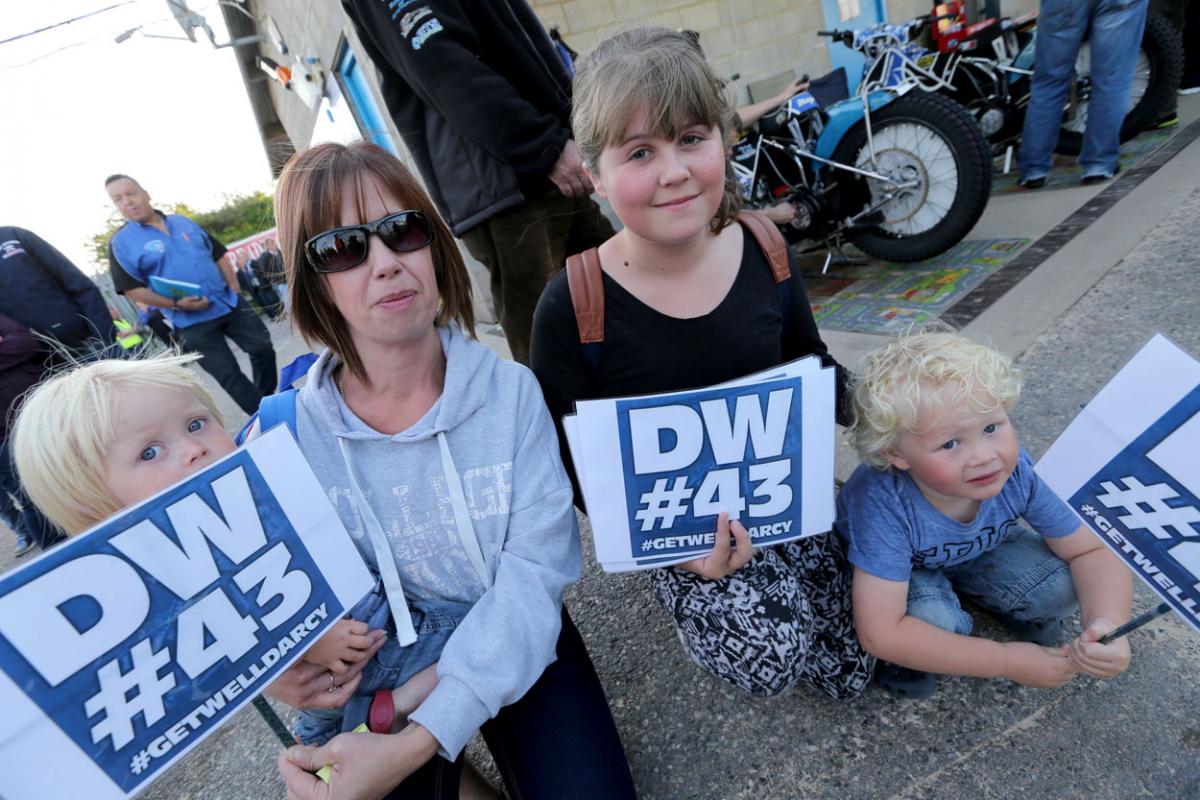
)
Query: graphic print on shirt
[
  {"x": 409, "y": 20},
  {"x": 396, "y": 6},
  {"x": 425, "y": 32},
  {"x": 424, "y": 539},
  {"x": 11, "y": 248},
  {"x": 949, "y": 554}
]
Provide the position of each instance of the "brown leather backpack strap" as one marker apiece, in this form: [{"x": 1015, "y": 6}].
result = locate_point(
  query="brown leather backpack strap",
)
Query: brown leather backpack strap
[
  {"x": 585, "y": 279},
  {"x": 770, "y": 241}
]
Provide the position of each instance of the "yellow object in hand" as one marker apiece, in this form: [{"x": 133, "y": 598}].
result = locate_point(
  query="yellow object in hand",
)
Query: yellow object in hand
[{"x": 326, "y": 772}]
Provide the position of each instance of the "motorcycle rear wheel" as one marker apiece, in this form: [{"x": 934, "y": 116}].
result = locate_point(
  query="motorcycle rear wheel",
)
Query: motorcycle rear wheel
[
  {"x": 934, "y": 142},
  {"x": 1155, "y": 80}
]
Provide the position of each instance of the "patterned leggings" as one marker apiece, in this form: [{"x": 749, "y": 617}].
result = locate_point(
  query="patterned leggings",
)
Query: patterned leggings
[{"x": 782, "y": 618}]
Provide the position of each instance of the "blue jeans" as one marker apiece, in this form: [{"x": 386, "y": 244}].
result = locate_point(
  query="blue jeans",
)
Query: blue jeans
[
  {"x": 1021, "y": 580},
  {"x": 246, "y": 330},
  {"x": 393, "y": 666},
  {"x": 1114, "y": 29},
  {"x": 558, "y": 741}
]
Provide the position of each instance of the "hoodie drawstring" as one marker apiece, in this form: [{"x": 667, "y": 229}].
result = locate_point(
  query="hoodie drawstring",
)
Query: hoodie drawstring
[
  {"x": 462, "y": 516},
  {"x": 384, "y": 560}
]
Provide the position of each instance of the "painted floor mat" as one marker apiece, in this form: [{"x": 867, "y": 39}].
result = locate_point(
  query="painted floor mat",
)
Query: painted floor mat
[
  {"x": 881, "y": 297},
  {"x": 1065, "y": 173}
]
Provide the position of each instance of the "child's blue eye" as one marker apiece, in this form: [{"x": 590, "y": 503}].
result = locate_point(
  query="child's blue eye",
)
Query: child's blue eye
[
  {"x": 195, "y": 425},
  {"x": 691, "y": 138},
  {"x": 639, "y": 154},
  {"x": 950, "y": 445},
  {"x": 991, "y": 428},
  {"x": 150, "y": 453}
]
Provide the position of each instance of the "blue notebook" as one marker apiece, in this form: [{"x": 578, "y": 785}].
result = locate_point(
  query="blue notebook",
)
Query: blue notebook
[{"x": 175, "y": 289}]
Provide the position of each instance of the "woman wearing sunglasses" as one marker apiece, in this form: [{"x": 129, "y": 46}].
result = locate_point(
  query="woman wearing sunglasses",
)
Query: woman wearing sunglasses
[{"x": 443, "y": 463}]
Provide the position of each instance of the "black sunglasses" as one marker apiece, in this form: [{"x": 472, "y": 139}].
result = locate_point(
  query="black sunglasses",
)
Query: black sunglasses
[{"x": 342, "y": 248}]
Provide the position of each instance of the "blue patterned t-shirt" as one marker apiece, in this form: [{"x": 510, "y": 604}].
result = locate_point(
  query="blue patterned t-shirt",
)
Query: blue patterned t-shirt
[{"x": 892, "y": 527}]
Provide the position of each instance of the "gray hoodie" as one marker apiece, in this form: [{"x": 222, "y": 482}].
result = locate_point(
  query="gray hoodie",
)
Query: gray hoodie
[{"x": 474, "y": 505}]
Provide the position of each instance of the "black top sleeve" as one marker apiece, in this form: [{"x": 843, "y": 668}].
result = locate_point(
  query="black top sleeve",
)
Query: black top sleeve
[
  {"x": 218, "y": 249},
  {"x": 122, "y": 280},
  {"x": 448, "y": 75},
  {"x": 80, "y": 287}
]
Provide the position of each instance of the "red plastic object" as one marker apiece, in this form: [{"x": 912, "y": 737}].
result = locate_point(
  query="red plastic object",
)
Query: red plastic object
[{"x": 382, "y": 712}]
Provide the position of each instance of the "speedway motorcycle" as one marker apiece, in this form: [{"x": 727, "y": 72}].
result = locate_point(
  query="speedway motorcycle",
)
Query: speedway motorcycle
[
  {"x": 900, "y": 173},
  {"x": 986, "y": 67}
]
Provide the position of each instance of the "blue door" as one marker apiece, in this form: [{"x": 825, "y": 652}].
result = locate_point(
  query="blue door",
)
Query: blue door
[
  {"x": 358, "y": 94},
  {"x": 853, "y": 14}
]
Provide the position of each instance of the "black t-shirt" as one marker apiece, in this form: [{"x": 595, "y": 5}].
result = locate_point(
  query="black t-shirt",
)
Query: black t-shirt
[
  {"x": 645, "y": 351},
  {"x": 123, "y": 281}
]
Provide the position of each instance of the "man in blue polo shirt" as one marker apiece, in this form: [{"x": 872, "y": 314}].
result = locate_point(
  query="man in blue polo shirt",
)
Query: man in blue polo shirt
[{"x": 172, "y": 246}]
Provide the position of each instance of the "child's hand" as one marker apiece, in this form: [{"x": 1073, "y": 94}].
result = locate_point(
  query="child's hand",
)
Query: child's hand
[
  {"x": 347, "y": 643},
  {"x": 412, "y": 693},
  {"x": 1086, "y": 654},
  {"x": 724, "y": 560},
  {"x": 1036, "y": 666}
]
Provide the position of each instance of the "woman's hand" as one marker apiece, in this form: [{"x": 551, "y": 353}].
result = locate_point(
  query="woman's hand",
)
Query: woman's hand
[
  {"x": 724, "y": 560},
  {"x": 1086, "y": 654},
  {"x": 365, "y": 766},
  {"x": 305, "y": 685},
  {"x": 345, "y": 644}
]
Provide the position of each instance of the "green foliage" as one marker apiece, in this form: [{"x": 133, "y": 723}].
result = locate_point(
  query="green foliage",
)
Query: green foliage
[{"x": 242, "y": 215}]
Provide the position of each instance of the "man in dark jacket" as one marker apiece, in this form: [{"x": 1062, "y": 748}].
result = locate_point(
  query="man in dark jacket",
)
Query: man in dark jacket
[
  {"x": 42, "y": 290},
  {"x": 483, "y": 101},
  {"x": 22, "y": 364}
]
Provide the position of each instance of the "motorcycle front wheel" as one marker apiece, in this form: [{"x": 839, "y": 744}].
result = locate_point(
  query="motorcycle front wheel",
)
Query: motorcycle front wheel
[{"x": 933, "y": 145}]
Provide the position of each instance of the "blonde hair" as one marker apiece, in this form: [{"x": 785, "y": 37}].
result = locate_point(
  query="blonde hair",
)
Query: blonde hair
[
  {"x": 662, "y": 72},
  {"x": 922, "y": 366},
  {"x": 65, "y": 427}
]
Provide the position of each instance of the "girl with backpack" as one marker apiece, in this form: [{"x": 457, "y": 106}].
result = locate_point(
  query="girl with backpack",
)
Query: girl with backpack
[{"x": 686, "y": 297}]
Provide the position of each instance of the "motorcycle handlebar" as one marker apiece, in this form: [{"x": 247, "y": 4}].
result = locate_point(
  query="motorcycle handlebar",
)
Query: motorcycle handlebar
[{"x": 844, "y": 36}]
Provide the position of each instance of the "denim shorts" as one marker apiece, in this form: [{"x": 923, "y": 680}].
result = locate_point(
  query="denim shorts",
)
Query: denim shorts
[
  {"x": 1021, "y": 580},
  {"x": 394, "y": 664}
]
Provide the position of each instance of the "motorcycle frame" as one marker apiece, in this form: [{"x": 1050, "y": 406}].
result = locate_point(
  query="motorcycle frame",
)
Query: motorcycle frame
[
  {"x": 890, "y": 54},
  {"x": 824, "y": 140}
]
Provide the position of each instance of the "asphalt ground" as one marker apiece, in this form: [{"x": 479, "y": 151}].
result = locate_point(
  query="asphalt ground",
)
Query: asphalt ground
[{"x": 1071, "y": 322}]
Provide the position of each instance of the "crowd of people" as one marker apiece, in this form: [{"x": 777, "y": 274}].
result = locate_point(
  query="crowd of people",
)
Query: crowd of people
[{"x": 448, "y": 464}]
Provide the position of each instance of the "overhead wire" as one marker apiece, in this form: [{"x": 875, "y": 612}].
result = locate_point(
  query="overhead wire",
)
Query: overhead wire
[
  {"x": 80, "y": 43},
  {"x": 65, "y": 22}
]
